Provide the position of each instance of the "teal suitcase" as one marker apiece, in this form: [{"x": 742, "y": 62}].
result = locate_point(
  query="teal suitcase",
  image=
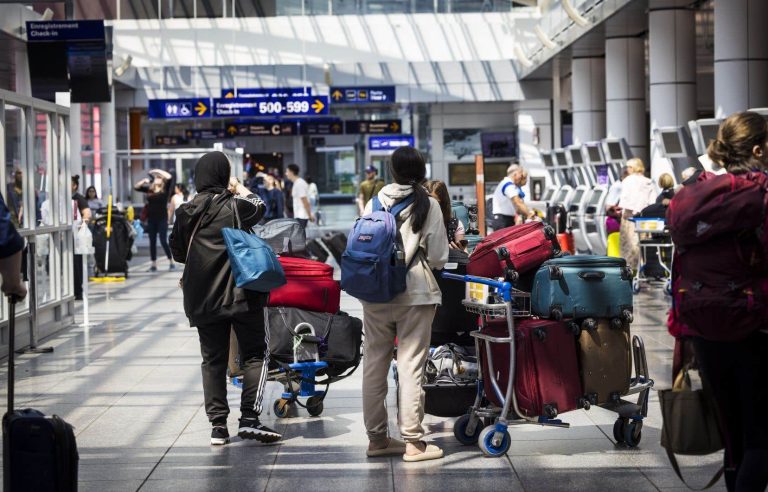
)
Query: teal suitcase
[{"x": 583, "y": 288}]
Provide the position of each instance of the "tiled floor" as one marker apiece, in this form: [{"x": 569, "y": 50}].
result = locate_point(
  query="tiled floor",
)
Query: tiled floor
[{"x": 131, "y": 386}]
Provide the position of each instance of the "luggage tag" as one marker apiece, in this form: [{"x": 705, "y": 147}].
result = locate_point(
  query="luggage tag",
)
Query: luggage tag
[{"x": 477, "y": 292}]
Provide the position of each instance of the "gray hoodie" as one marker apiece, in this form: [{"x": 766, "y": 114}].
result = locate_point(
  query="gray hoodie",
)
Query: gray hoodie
[{"x": 429, "y": 245}]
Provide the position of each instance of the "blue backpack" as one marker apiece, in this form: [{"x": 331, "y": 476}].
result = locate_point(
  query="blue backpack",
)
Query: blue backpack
[{"x": 373, "y": 266}]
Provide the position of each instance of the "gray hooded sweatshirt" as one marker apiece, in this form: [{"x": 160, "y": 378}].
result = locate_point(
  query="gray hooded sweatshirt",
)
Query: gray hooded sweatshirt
[{"x": 429, "y": 245}]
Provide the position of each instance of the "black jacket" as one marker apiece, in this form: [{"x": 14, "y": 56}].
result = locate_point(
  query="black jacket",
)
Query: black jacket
[{"x": 209, "y": 288}]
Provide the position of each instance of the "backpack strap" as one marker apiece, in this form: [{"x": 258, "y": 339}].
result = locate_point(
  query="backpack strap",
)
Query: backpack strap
[
  {"x": 376, "y": 204},
  {"x": 402, "y": 205}
]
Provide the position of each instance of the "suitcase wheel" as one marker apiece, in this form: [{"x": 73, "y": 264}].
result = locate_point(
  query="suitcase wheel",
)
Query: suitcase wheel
[
  {"x": 556, "y": 314},
  {"x": 511, "y": 275},
  {"x": 555, "y": 273},
  {"x": 589, "y": 324},
  {"x": 583, "y": 403},
  {"x": 550, "y": 411},
  {"x": 575, "y": 328},
  {"x": 549, "y": 233},
  {"x": 617, "y": 323},
  {"x": 628, "y": 316},
  {"x": 628, "y": 431},
  {"x": 626, "y": 273}
]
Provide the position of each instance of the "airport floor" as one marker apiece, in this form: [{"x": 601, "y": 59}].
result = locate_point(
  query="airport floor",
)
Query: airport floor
[{"x": 131, "y": 386}]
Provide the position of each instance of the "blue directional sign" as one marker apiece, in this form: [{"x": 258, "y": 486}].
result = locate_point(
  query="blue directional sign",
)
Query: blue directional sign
[
  {"x": 278, "y": 106},
  {"x": 390, "y": 142},
  {"x": 266, "y": 92},
  {"x": 179, "y": 108},
  {"x": 363, "y": 95}
]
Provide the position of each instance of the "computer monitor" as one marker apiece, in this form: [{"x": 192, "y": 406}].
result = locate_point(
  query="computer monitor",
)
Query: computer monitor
[
  {"x": 560, "y": 157},
  {"x": 577, "y": 157},
  {"x": 562, "y": 194},
  {"x": 594, "y": 156},
  {"x": 577, "y": 197},
  {"x": 547, "y": 196},
  {"x": 546, "y": 158},
  {"x": 613, "y": 151},
  {"x": 594, "y": 200},
  {"x": 672, "y": 141}
]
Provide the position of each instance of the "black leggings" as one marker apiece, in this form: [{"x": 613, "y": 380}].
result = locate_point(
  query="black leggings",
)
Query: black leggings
[
  {"x": 157, "y": 227},
  {"x": 737, "y": 373}
]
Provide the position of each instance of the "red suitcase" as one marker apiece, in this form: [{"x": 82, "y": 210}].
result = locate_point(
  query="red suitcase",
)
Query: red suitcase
[
  {"x": 547, "y": 378},
  {"x": 514, "y": 250},
  {"x": 310, "y": 286}
]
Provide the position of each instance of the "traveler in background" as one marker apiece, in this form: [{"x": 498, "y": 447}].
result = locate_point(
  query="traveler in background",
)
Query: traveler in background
[
  {"x": 667, "y": 186},
  {"x": 179, "y": 197},
  {"x": 302, "y": 210},
  {"x": 275, "y": 200},
  {"x": 312, "y": 193},
  {"x": 93, "y": 199},
  {"x": 408, "y": 316},
  {"x": 637, "y": 192},
  {"x": 11, "y": 247},
  {"x": 369, "y": 188},
  {"x": 508, "y": 205},
  {"x": 612, "y": 208},
  {"x": 453, "y": 226},
  {"x": 736, "y": 371},
  {"x": 286, "y": 186},
  {"x": 81, "y": 214},
  {"x": 212, "y": 302},
  {"x": 157, "y": 192}
]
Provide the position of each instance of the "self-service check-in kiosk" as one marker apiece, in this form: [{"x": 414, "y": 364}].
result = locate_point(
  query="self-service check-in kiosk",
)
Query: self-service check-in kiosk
[
  {"x": 617, "y": 153},
  {"x": 584, "y": 173},
  {"x": 575, "y": 218},
  {"x": 677, "y": 146},
  {"x": 597, "y": 162},
  {"x": 593, "y": 220}
]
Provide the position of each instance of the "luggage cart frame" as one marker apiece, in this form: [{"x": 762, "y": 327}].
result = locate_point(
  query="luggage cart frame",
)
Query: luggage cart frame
[
  {"x": 656, "y": 228},
  {"x": 487, "y": 426}
]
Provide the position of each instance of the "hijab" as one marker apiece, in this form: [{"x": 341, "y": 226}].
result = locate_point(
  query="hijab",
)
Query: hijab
[{"x": 212, "y": 173}]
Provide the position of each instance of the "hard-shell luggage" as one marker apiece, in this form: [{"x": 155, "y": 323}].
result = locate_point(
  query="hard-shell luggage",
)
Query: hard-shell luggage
[
  {"x": 309, "y": 286},
  {"x": 514, "y": 250},
  {"x": 342, "y": 336},
  {"x": 284, "y": 236},
  {"x": 605, "y": 359},
  {"x": 582, "y": 287},
  {"x": 546, "y": 370},
  {"x": 336, "y": 242},
  {"x": 451, "y": 318},
  {"x": 39, "y": 452}
]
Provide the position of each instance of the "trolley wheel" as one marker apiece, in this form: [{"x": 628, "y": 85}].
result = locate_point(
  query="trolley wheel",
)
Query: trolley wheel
[
  {"x": 460, "y": 430},
  {"x": 487, "y": 446},
  {"x": 635, "y": 286},
  {"x": 618, "y": 430},
  {"x": 633, "y": 433},
  {"x": 281, "y": 408},
  {"x": 314, "y": 405}
]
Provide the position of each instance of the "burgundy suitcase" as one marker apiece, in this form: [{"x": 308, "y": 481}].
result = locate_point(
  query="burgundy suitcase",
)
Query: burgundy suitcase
[
  {"x": 547, "y": 380},
  {"x": 310, "y": 286},
  {"x": 514, "y": 250}
]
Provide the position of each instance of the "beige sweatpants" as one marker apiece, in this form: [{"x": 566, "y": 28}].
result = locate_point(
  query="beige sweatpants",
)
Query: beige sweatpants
[{"x": 413, "y": 326}]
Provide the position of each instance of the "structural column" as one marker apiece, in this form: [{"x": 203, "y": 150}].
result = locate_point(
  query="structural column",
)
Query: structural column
[
  {"x": 588, "y": 85},
  {"x": 741, "y": 55},
  {"x": 108, "y": 121},
  {"x": 625, "y": 92}
]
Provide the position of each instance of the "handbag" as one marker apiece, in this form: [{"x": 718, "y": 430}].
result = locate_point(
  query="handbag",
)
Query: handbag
[
  {"x": 690, "y": 424},
  {"x": 254, "y": 264}
]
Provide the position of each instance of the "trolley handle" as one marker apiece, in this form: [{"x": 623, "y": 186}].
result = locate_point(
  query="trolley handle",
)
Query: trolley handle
[{"x": 504, "y": 288}]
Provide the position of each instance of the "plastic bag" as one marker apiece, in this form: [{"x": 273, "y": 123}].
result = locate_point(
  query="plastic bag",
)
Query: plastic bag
[
  {"x": 84, "y": 241},
  {"x": 139, "y": 230}
]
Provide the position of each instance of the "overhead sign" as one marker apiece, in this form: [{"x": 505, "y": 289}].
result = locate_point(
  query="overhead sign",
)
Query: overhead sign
[
  {"x": 373, "y": 127},
  {"x": 65, "y": 30},
  {"x": 390, "y": 142},
  {"x": 279, "y": 106},
  {"x": 266, "y": 92},
  {"x": 179, "y": 108},
  {"x": 206, "y": 134},
  {"x": 322, "y": 127},
  {"x": 363, "y": 95},
  {"x": 170, "y": 140},
  {"x": 262, "y": 129}
]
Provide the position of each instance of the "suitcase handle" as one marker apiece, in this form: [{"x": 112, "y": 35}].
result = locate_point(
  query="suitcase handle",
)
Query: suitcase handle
[{"x": 592, "y": 275}]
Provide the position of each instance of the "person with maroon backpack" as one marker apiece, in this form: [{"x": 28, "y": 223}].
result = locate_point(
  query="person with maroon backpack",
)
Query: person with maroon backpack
[{"x": 720, "y": 288}]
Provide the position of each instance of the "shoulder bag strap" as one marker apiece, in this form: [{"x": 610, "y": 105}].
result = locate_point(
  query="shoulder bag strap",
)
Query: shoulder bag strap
[{"x": 676, "y": 467}]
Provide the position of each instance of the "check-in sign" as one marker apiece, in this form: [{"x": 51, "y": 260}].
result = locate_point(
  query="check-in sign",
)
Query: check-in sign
[{"x": 279, "y": 106}]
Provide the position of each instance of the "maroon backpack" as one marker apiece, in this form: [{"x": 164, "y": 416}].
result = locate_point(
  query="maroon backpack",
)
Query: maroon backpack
[{"x": 720, "y": 283}]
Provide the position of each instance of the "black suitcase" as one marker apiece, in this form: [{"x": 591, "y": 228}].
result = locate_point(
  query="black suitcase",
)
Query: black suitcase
[
  {"x": 452, "y": 322},
  {"x": 39, "y": 452},
  {"x": 120, "y": 242},
  {"x": 336, "y": 242}
]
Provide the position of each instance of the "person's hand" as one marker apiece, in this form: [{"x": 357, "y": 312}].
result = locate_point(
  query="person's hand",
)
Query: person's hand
[
  {"x": 455, "y": 245},
  {"x": 233, "y": 182},
  {"x": 312, "y": 218},
  {"x": 14, "y": 289}
]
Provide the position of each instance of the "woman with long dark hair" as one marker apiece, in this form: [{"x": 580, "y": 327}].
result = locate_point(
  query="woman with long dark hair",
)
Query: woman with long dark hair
[
  {"x": 213, "y": 304},
  {"x": 453, "y": 226},
  {"x": 407, "y": 317}
]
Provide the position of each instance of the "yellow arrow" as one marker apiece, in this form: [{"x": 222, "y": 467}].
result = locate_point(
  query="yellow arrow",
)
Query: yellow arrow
[
  {"x": 201, "y": 108},
  {"x": 229, "y": 95},
  {"x": 336, "y": 94},
  {"x": 232, "y": 130},
  {"x": 318, "y": 106},
  {"x": 394, "y": 126}
]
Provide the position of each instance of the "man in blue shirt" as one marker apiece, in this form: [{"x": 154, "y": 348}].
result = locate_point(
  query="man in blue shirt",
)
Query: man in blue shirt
[
  {"x": 11, "y": 246},
  {"x": 508, "y": 198}
]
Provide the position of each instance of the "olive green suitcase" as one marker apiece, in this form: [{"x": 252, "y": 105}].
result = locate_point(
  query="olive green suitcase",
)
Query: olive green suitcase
[{"x": 605, "y": 361}]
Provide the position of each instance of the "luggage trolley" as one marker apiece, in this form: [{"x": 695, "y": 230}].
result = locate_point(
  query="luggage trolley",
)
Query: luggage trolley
[
  {"x": 486, "y": 425},
  {"x": 658, "y": 239}
]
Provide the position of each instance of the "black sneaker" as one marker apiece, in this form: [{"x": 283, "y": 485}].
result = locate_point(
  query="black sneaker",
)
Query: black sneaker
[
  {"x": 219, "y": 435},
  {"x": 251, "y": 428}
]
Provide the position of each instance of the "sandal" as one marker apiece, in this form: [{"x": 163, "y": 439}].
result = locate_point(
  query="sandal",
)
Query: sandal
[
  {"x": 431, "y": 452},
  {"x": 393, "y": 448}
]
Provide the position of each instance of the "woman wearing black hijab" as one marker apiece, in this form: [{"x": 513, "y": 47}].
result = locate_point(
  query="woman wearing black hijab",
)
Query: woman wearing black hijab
[{"x": 212, "y": 302}]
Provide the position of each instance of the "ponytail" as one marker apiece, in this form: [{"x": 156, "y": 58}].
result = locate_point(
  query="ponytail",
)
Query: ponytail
[{"x": 421, "y": 205}]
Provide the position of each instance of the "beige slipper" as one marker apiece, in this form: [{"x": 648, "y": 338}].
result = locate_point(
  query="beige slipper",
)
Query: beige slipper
[
  {"x": 394, "y": 448},
  {"x": 432, "y": 452}
]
